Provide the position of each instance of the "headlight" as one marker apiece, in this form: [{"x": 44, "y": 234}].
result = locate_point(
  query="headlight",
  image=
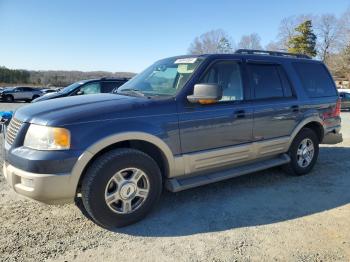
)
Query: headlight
[{"x": 47, "y": 138}]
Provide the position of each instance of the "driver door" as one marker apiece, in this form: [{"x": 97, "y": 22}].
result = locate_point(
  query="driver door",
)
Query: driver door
[
  {"x": 217, "y": 135},
  {"x": 19, "y": 93}
]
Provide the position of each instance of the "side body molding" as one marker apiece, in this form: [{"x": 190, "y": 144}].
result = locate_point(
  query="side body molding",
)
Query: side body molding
[
  {"x": 212, "y": 160},
  {"x": 85, "y": 158}
]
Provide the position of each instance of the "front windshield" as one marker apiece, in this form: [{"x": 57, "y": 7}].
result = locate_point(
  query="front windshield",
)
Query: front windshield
[
  {"x": 164, "y": 78},
  {"x": 71, "y": 87}
]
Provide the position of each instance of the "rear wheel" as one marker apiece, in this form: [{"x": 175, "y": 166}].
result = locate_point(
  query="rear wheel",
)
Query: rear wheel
[
  {"x": 9, "y": 99},
  {"x": 121, "y": 187},
  {"x": 34, "y": 97},
  {"x": 303, "y": 153}
]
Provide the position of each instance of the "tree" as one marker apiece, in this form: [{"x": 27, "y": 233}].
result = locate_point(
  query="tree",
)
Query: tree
[
  {"x": 345, "y": 62},
  {"x": 274, "y": 46},
  {"x": 251, "y": 41},
  {"x": 304, "y": 42},
  {"x": 329, "y": 35},
  {"x": 345, "y": 26},
  {"x": 211, "y": 42},
  {"x": 225, "y": 46},
  {"x": 287, "y": 27}
]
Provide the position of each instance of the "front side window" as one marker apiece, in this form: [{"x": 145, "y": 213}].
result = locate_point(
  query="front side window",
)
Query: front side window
[
  {"x": 226, "y": 74},
  {"x": 91, "y": 88},
  {"x": 164, "y": 78},
  {"x": 265, "y": 81},
  {"x": 71, "y": 88}
]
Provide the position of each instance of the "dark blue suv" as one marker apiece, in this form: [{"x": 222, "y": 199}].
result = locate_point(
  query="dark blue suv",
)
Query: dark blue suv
[{"x": 183, "y": 122}]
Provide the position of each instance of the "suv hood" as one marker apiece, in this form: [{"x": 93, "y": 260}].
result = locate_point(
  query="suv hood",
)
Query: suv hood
[
  {"x": 47, "y": 97},
  {"x": 81, "y": 109}
]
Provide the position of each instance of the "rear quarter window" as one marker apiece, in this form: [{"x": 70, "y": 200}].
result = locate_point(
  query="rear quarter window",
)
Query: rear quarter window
[{"x": 315, "y": 79}]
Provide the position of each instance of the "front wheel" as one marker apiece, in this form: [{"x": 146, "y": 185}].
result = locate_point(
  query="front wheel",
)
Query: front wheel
[
  {"x": 303, "y": 153},
  {"x": 9, "y": 99},
  {"x": 121, "y": 187}
]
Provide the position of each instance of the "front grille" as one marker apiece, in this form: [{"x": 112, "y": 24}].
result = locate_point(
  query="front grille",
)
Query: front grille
[{"x": 12, "y": 130}]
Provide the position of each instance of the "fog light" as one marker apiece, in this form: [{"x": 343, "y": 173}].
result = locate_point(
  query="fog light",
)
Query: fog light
[{"x": 27, "y": 182}]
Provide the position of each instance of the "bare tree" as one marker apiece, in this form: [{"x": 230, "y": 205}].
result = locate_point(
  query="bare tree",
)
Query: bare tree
[
  {"x": 345, "y": 26},
  {"x": 251, "y": 41},
  {"x": 329, "y": 34},
  {"x": 274, "y": 46},
  {"x": 211, "y": 42}
]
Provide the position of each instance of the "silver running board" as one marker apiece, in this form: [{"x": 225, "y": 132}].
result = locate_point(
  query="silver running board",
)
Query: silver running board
[{"x": 179, "y": 184}]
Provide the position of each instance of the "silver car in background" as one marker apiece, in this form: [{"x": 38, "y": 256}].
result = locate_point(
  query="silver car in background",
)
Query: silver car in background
[{"x": 23, "y": 93}]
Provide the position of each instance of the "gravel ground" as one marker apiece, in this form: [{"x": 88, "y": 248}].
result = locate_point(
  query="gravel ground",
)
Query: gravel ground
[{"x": 264, "y": 216}]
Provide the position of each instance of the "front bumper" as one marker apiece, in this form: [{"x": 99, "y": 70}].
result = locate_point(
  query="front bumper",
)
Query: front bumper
[{"x": 46, "y": 188}]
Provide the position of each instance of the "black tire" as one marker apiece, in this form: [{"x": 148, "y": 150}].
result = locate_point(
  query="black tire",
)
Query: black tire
[
  {"x": 35, "y": 97},
  {"x": 100, "y": 173},
  {"x": 9, "y": 99},
  {"x": 293, "y": 168}
]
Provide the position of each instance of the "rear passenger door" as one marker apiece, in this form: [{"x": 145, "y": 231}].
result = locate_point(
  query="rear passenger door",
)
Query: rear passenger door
[
  {"x": 276, "y": 108},
  {"x": 28, "y": 92}
]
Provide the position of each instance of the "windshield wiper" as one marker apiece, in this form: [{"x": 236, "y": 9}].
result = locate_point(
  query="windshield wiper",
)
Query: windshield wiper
[{"x": 131, "y": 91}]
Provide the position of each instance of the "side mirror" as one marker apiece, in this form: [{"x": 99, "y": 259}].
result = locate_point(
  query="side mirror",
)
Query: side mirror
[
  {"x": 205, "y": 94},
  {"x": 80, "y": 92}
]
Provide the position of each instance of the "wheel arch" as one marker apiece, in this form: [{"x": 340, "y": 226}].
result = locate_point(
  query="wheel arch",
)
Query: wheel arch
[
  {"x": 314, "y": 123},
  {"x": 144, "y": 142},
  {"x": 10, "y": 95}
]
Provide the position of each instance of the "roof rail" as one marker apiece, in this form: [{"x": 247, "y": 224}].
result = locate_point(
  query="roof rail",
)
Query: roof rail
[
  {"x": 273, "y": 53},
  {"x": 114, "y": 78}
]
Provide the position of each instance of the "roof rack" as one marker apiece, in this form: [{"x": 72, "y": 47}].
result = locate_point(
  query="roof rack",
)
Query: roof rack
[{"x": 273, "y": 53}]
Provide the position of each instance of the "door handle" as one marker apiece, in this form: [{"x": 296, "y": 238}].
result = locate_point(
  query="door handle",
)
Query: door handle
[
  {"x": 295, "y": 108},
  {"x": 239, "y": 114}
]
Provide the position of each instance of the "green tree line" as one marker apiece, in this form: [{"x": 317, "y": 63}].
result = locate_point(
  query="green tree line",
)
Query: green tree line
[
  {"x": 13, "y": 76},
  {"x": 56, "y": 78}
]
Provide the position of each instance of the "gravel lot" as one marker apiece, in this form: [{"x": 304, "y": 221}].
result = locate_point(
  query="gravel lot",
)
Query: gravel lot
[{"x": 264, "y": 216}]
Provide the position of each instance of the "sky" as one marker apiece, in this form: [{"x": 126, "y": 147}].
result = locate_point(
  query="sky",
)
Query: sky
[{"x": 129, "y": 35}]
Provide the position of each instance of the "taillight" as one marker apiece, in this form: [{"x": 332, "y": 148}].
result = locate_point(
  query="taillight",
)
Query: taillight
[
  {"x": 335, "y": 111},
  {"x": 337, "y": 108}
]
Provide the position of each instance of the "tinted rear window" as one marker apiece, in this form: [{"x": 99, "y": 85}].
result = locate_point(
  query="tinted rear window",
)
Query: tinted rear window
[
  {"x": 265, "y": 81},
  {"x": 315, "y": 79}
]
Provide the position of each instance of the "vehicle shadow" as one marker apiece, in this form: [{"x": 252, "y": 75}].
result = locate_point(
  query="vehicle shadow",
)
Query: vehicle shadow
[{"x": 261, "y": 198}]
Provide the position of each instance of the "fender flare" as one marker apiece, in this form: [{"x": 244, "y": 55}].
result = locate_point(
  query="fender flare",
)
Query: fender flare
[
  {"x": 89, "y": 153},
  {"x": 303, "y": 123}
]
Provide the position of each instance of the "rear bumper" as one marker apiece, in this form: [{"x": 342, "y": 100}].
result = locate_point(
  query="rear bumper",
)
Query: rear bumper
[
  {"x": 332, "y": 136},
  {"x": 46, "y": 188}
]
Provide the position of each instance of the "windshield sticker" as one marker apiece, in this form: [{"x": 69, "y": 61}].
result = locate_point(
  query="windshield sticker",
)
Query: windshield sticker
[
  {"x": 185, "y": 69},
  {"x": 189, "y": 60}
]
